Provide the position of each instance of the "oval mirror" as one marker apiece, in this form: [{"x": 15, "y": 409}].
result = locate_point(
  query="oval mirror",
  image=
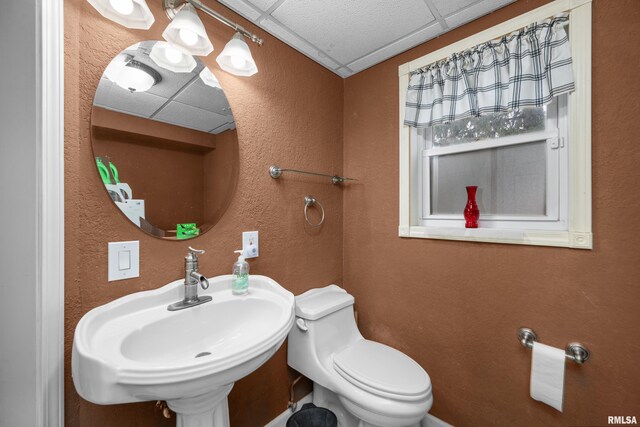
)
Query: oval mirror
[{"x": 164, "y": 141}]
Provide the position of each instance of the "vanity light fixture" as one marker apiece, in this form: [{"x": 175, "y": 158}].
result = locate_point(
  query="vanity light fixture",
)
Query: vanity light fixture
[
  {"x": 187, "y": 32},
  {"x": 137, "y": 77},
  {"x": 171, "y": 58},
  {"x": 236, "y": 57},
  {"x": 129, "y": 13},
  {"x": 209, "y": 79}
]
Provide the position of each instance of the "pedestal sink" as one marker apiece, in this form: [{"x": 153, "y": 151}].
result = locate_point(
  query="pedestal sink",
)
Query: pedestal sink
[{"x": 133, "y": 349}]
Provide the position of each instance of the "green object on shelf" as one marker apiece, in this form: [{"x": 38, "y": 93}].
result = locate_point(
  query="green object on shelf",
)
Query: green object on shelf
[
  {"x": 114, "y": 173},
  {"x": 187, "y": 231},
  {"x": 104, "y": 172}
]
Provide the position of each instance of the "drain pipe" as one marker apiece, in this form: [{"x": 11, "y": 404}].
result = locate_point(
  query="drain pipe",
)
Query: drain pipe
[{"x": 292, "y": 404}]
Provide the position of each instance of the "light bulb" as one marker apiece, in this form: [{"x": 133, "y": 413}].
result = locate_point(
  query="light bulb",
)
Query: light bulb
[
  {"x": 188, "y": 37},
  {"x": 173, "y": 55},
  {"x": 238, "y": 62},
  {"x": 123, "y": 7}
]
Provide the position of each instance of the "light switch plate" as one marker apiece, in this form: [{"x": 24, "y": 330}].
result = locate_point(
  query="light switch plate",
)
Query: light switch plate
[
  {"x": 250, "y": 244},
  {"x": 124, "y": 260}
]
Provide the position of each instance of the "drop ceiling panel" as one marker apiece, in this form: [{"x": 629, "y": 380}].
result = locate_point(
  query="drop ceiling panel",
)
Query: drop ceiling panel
[
  {"x": 263, "y": 4},
  {"x": 346, "y": 30},
  {"x": 243, "y": 8},
  {"x": 202, "y": 96},
  {"x": 296, "y": 42},
  {"x": 348, "y": 36},
  {"x": 111, "y": 96},
  {"x": 172, "y": 82},
  {"x": 401, "y": 45},
  {"x": 181, "y": 99},
  {"x": 447, "y": 7},
  {"x": 472, "y": 12},
  {"x": 191, "y": 117}
]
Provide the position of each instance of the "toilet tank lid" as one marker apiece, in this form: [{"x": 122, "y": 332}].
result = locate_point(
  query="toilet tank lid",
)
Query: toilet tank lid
[{"x": 319, "y": 302}]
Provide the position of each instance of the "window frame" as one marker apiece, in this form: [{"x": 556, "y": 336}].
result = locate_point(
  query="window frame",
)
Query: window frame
[
  {"x": 576, "y": 232},
  {"x": 556, "y": 173}
]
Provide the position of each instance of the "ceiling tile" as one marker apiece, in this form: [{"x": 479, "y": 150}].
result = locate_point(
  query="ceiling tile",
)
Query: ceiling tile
[
  {"x": 447, "y": 7},
  {"x": 297, "y": 43},
  {"x": 388, "y": 51},
  {"x": 191, "y": 117},
  {"x": 111, "y": 96},
  {"x": 242, "y": 8},
  {"x": 263, "y": 4},
  {"x": 172, "y": 82},
  {"x": 202, "y": 96},
  {"x": 475, "y": 11},
  {"x": 346, "y": 30},
  {"x": 348, "y": 36}
]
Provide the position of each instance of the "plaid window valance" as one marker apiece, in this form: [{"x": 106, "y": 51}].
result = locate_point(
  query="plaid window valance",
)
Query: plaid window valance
[{"x": 525, "y": 68}]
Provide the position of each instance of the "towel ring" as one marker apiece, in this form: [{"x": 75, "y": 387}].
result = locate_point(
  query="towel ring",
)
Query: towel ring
[{"x": 311, "y": 201}]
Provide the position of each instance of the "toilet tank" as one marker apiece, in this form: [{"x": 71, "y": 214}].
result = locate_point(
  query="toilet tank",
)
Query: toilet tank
[{"x": 324, "y": 325}]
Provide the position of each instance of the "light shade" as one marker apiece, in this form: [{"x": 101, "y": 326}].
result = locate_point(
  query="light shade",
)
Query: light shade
[
  {"x": 116, "y": 65},
  {"x": 129, "y": 13},
  {"x": 171, "y": 58},
  {"x": 236, "y": 57},
  {"x": 209, "y": 79},
  {"x": 187, "y": 32},
  {"x": 137, "y": 77}
]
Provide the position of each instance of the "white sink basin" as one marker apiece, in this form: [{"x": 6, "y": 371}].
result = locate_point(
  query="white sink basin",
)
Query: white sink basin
[{"x": 134, "y": 349}]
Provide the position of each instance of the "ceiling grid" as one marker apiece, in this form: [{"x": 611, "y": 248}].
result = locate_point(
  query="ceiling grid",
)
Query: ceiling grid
[{"x": 348, "y": 36}]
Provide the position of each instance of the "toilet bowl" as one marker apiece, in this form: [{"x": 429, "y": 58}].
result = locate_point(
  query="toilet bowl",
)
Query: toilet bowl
[{"x": 364, "y": 382}]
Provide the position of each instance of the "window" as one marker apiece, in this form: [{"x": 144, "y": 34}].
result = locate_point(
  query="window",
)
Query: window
[
  {"x": 517, "y": 159},
  {"x": 531, "y": 166}
]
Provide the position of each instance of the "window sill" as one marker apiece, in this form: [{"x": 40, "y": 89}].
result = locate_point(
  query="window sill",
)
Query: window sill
[{"x": 494, "y": 235}]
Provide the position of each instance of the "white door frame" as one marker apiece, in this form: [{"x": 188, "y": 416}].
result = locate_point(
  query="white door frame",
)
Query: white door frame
[{"x": 50, "y": 257}]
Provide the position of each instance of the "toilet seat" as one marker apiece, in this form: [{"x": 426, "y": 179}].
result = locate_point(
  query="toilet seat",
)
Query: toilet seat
[{"x": 383, "y": 371}]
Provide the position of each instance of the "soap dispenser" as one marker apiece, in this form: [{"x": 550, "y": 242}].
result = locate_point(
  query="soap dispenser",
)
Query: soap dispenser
[{"x": 240, "y": 282}]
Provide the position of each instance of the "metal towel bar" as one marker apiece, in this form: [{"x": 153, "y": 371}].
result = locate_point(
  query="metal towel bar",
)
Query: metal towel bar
[
  {"x": 574, "y": 351},
  {"x": 276, "y": 172}
]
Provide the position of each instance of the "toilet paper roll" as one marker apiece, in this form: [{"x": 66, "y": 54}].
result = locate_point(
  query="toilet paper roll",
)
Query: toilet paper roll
[{"x": 547, "y": 375}]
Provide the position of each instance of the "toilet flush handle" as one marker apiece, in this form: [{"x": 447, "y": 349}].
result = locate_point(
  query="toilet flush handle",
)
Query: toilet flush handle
[{"x": 302, "y": 325}]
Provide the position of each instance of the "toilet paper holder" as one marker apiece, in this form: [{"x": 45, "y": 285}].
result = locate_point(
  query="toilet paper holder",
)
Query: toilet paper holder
[{"x": 574, "y": 351}]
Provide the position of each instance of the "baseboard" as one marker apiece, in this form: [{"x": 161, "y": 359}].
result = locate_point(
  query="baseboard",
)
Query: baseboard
[
  {"x": 436, "y": 422},
  {"x": 281, "y": 420}
]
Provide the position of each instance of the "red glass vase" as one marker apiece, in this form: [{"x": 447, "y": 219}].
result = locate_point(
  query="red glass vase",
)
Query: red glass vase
[{"x": 471, "y": 211}]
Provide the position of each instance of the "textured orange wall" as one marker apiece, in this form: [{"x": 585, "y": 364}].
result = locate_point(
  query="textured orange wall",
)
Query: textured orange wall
[
  {"x": 290, "y": 114},
  {"x": 176, "y": 176},
  {"x": 220, "y": 174},
  {"x": 455, "y": 306}
]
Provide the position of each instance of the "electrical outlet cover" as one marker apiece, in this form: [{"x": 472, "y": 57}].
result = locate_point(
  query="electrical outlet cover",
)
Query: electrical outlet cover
[{"x": 250, "y": 244}]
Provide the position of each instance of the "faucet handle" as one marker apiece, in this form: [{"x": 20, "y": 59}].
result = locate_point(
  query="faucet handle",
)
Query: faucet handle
[{"x": 195, "y": 251}]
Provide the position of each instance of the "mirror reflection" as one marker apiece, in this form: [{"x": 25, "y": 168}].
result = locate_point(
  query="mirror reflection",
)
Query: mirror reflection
[{"x": 164, "y": 141}]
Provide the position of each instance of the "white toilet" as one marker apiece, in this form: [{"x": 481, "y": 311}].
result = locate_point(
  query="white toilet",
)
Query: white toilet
[{"x": 363, "y": 382}]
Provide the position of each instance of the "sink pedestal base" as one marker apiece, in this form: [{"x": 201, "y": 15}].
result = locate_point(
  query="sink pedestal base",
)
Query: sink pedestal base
[{"x": 207, "y": 410}]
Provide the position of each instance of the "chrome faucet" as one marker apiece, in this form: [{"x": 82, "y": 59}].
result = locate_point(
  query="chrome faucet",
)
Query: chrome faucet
[{"x": 191, "y": 281}]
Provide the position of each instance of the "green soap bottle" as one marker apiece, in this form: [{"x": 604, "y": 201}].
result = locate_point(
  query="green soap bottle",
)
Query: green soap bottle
[{"x": 240, "y": 281}]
